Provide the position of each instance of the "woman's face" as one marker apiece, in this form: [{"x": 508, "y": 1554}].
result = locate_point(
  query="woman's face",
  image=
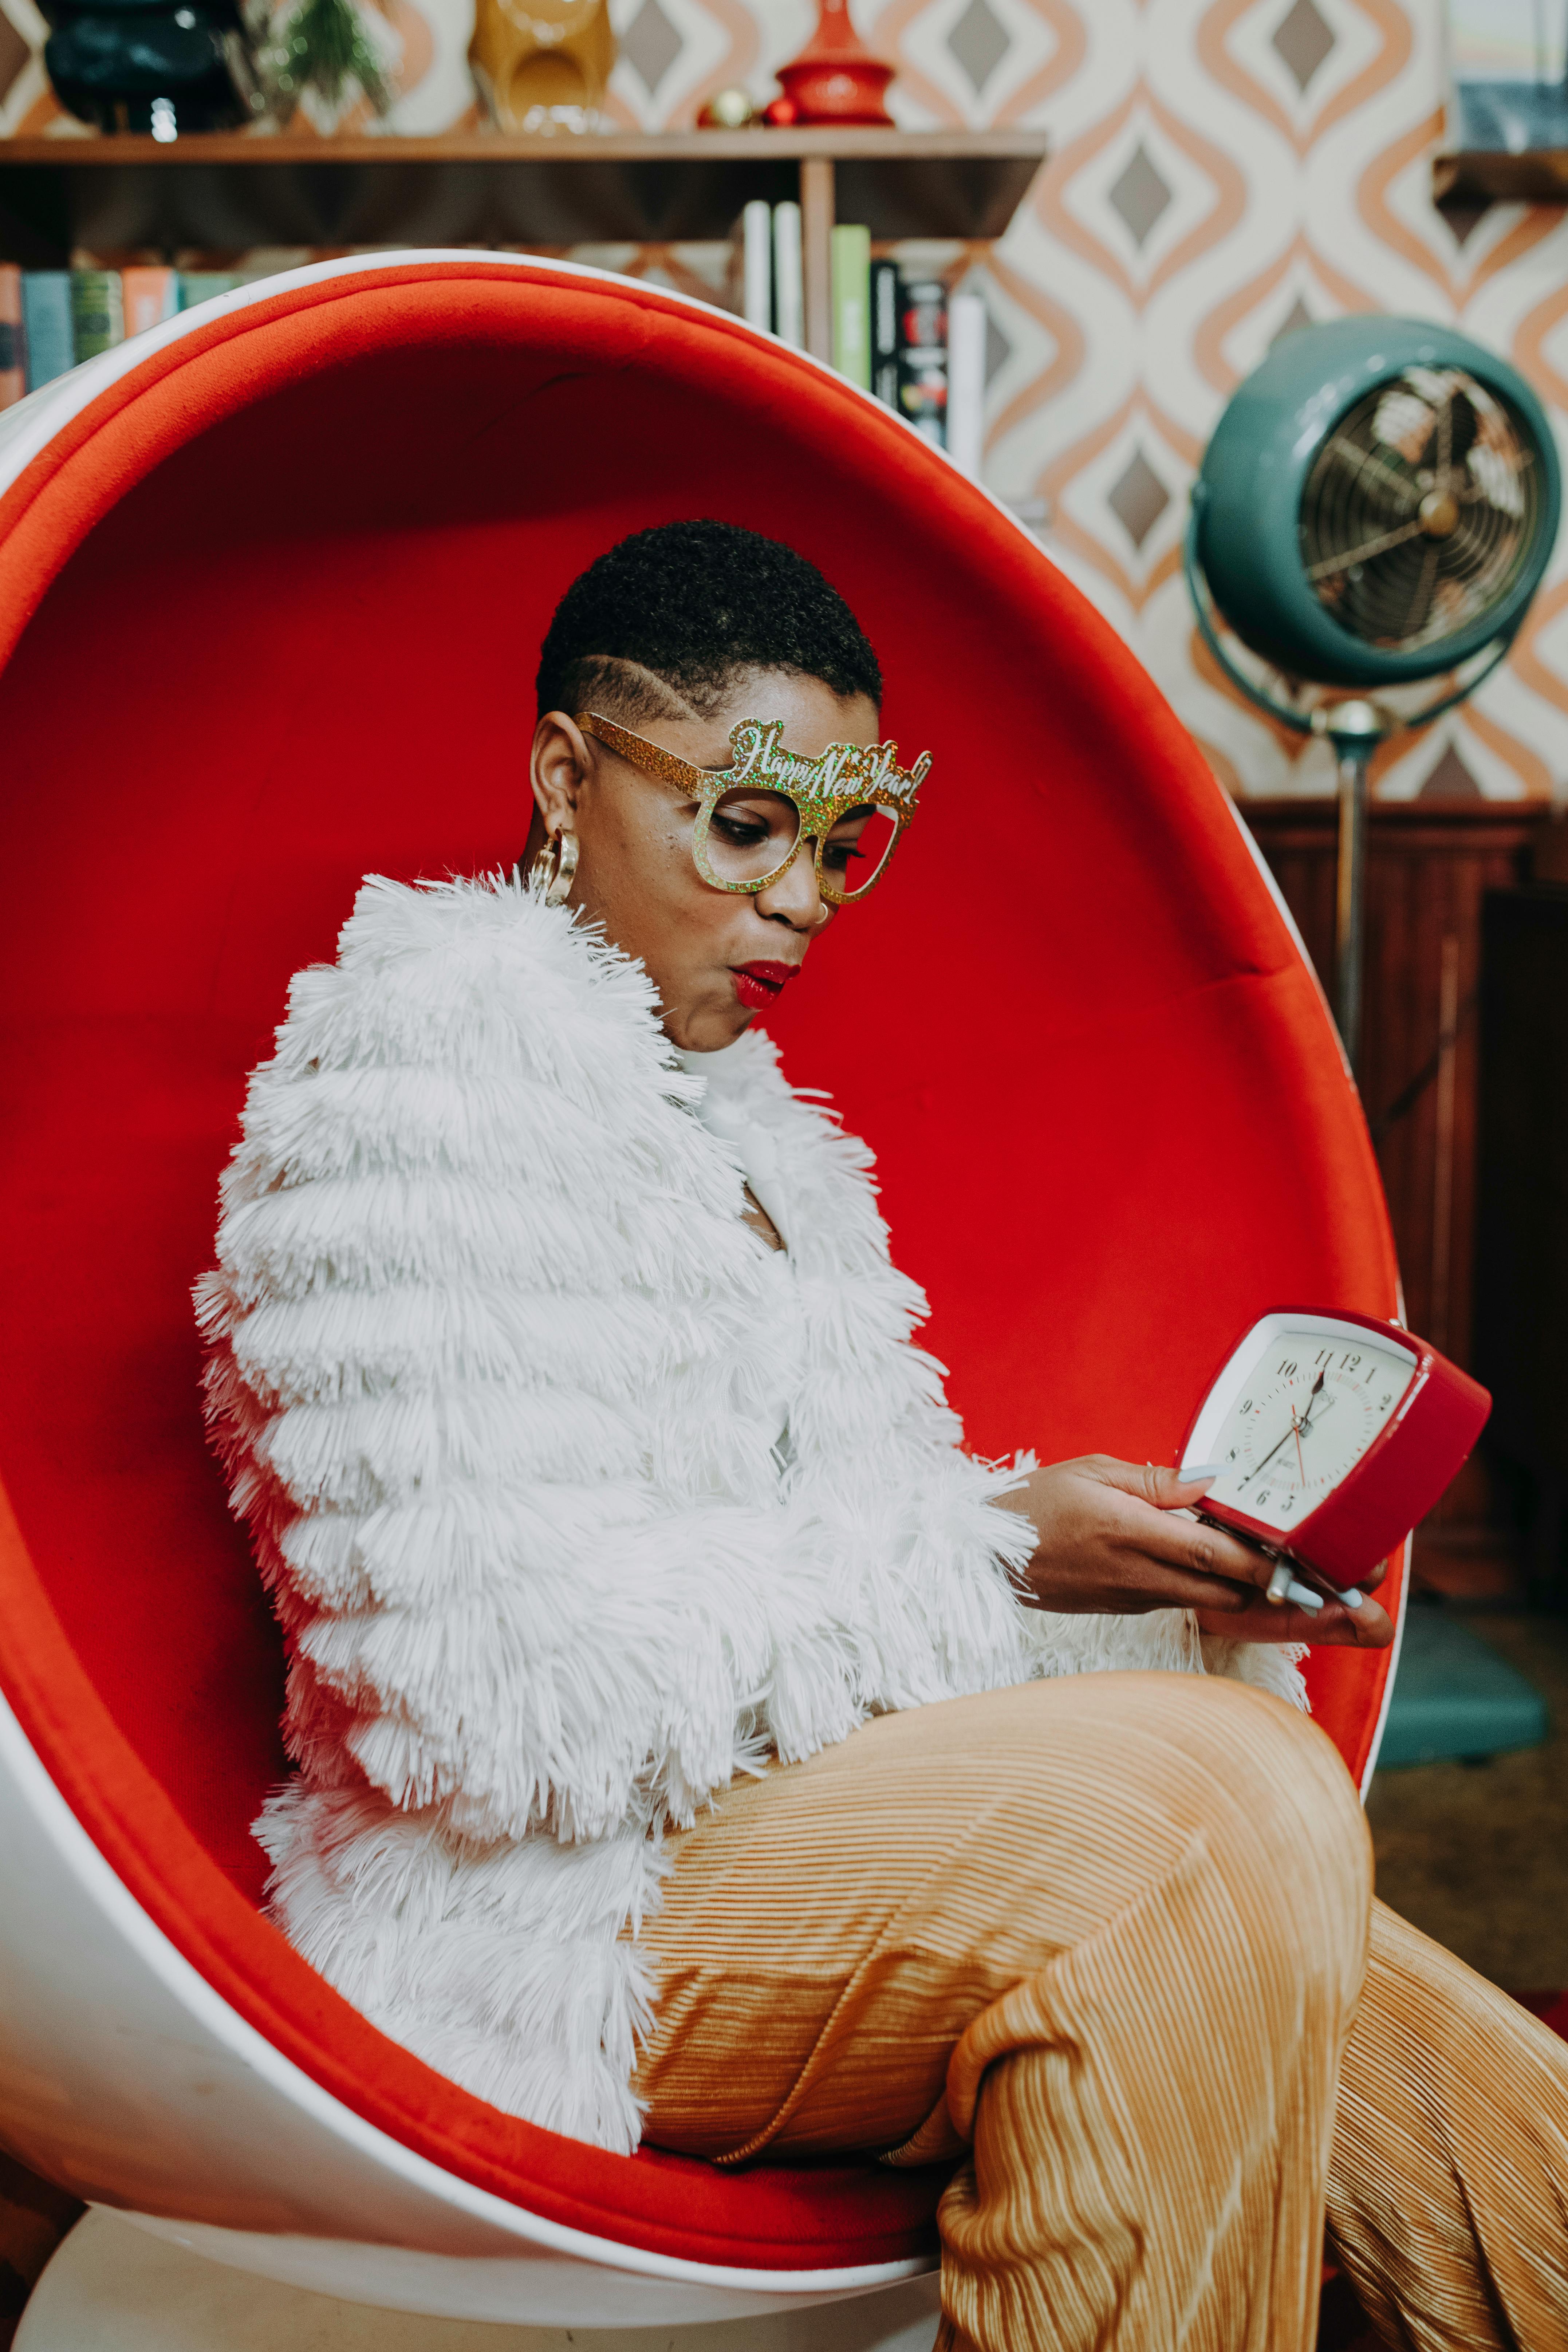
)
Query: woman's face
[{"x": 718, "y": 958}]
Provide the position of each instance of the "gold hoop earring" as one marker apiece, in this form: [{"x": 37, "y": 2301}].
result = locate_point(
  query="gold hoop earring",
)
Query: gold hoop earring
[{"x": 555, "y": 866}]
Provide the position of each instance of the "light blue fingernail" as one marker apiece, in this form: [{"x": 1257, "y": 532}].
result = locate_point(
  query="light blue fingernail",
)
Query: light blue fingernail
[
  {"x": 1303, "y": 1595},
  {"x": 1352, "y": 1598},
  {"x": 1201, "y": 1470}
]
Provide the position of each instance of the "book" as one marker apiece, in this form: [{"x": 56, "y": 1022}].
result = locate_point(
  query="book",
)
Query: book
[
  {"x": 886, "y": 304},
  {"x": 852, "y": 303},
  {"x": 202, "y": 285},
  {"x": 757, "y": 263},
  {"x": 966, "y": 383},
  {"x": 13, "y": 342},
  {"x": 148, "y": 297},
  {"x": 46, "y": 325},
  {"x": 98, "y": 312},
  {"x": 922, "y": 372},
  {"x": 789, "y": 299}
]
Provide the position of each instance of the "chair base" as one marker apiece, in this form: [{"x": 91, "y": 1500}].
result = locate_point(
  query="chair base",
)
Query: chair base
[{"x": 112, "y": 2287}]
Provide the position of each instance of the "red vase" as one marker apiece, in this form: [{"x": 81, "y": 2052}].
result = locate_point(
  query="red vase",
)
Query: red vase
[{"x": 836, "y": 78}]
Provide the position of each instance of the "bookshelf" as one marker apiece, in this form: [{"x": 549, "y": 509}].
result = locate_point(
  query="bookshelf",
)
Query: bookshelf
[{"x": 227, "y": 192}]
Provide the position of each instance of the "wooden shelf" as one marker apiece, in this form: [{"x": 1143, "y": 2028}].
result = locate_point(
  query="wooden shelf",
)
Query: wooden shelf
[
  {"x": 229, "y": 191},
  {"x": 1537, "y": 175},
  {"x": 875, "y": 145}
]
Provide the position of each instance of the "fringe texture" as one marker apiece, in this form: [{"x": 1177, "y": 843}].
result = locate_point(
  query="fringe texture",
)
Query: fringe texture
[{"x": 490, "y": 1370}]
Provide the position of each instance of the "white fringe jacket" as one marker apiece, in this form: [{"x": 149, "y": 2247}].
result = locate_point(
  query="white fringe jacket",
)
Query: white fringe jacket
[{"x": 490, "y": 1370}]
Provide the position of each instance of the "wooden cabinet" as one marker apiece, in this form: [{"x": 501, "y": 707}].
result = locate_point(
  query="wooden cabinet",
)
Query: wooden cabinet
[
  {"x": 1521, "y": 1250},
  {"x": 1429, "y": 866}
]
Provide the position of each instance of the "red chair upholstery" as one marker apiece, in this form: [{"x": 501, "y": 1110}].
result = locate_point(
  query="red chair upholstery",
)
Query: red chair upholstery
[{"x": 271, "y": 597}]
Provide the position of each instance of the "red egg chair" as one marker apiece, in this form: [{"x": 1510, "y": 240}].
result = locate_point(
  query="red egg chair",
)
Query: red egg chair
[{"x": 274, "y": 581}]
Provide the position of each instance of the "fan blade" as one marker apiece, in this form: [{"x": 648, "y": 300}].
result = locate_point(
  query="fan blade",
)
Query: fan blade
[
  {"x": 1420, "y": 607},
  {"x": 1507, "y": 495},
  {"x": 1368, "y": 548},
  {"x": 1464, "y": 431},
  {"x": 1375, "y": 474}
]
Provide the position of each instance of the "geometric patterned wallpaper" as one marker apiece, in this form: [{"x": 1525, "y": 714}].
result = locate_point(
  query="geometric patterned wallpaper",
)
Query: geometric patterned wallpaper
[{"x": 1222, "y": 171}]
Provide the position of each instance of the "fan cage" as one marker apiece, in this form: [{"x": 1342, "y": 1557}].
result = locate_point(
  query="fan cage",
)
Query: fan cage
[{"x": 1423, "y": 509}]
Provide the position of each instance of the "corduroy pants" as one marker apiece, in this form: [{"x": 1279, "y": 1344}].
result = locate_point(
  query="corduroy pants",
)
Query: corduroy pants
[{"x": 1111, "y": 1942}]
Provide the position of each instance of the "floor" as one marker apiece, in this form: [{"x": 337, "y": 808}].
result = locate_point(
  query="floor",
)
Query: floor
[{"x": 1477, "y": 1855}]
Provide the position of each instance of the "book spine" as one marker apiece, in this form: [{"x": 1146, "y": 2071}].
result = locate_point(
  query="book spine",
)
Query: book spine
[
  {"x": 886, "y": 305},
  {"x": 922, "y": 368},
  {"x": 46, "y": 321},
  {"x": 148, "y": 297},
  {"x": 203, "y": 284},
  {"x": 966, "y": 384},
  {"x": 98, "y": 312},
  {"x": 852, "y": 304},
  {"x": 789, "y": 295},
  {"x": 757, "y": 256},
  {"x": 12, "y": 338}
]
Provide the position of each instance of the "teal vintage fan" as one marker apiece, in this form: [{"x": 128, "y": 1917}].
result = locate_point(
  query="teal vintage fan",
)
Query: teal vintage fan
[{"x": 1374, "y": 513}]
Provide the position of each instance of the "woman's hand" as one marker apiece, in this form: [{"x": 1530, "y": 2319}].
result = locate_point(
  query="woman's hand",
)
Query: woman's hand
[{"x": 1112, "y": 1539}]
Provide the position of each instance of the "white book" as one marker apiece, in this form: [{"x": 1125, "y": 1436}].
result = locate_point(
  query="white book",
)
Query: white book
[
  {"x": 966, "y": 383},
  {"x": 789, "y": 300},
  {"x": 756, "y": 249}
]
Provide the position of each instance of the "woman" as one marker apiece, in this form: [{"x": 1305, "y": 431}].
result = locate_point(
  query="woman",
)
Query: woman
[{"x": 692, "y": 1739}]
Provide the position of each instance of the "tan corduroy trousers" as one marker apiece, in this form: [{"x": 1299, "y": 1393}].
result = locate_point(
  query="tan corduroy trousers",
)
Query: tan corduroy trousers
[{"x": 1111, "y": 1941}]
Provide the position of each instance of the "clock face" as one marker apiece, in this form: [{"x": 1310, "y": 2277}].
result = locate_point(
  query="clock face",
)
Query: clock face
[{"x": 1304, "y": 1415}]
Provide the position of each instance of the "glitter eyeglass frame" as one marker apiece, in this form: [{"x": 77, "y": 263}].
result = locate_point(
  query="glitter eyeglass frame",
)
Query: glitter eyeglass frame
[{"x": 823, "y": 789}]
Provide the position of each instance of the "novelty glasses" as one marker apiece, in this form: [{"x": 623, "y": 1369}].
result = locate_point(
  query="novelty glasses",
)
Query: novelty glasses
[{"x": 852, "y": 801}]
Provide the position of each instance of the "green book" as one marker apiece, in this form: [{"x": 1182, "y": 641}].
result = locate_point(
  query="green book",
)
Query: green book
[
  {"x": 201, "y": 285},
  {"x": 98, "y": 313},
  {"x": 852, "y": 304},
  {"x": 47, "y": 319}
]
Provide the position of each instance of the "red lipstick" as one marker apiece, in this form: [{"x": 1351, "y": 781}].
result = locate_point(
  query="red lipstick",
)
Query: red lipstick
[{"x": 759, "y": 985}]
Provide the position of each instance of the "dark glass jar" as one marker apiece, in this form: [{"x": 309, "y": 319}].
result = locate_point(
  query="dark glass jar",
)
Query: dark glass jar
[{"x": 144, "y": 65}]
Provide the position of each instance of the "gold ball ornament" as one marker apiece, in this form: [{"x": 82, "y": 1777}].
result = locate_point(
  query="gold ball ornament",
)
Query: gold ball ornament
[{"x": 727, "y": 109}]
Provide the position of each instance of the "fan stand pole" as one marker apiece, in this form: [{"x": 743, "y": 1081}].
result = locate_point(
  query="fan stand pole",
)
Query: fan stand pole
[{"x": 1356, "y": 729}]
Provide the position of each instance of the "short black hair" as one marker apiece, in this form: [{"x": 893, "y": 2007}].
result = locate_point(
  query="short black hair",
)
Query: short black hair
[{"x": 667, "y": 617}]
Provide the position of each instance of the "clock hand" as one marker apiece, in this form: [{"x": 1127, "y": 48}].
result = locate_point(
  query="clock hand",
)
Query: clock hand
[
  {"x": 1294, "y": 1430},
  {"x": 1313, "y": 1395},
  {"x": 1268, "y": 1457},
  {"x": 1305, "y": 1423}
]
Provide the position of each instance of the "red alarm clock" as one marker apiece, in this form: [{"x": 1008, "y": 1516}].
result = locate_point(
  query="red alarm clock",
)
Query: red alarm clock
[{"x": 1334, "y": 1434}]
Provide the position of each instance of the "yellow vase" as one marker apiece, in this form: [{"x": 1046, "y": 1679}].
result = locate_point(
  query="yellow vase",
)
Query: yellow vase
[{"x": 541, "y": 65}]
